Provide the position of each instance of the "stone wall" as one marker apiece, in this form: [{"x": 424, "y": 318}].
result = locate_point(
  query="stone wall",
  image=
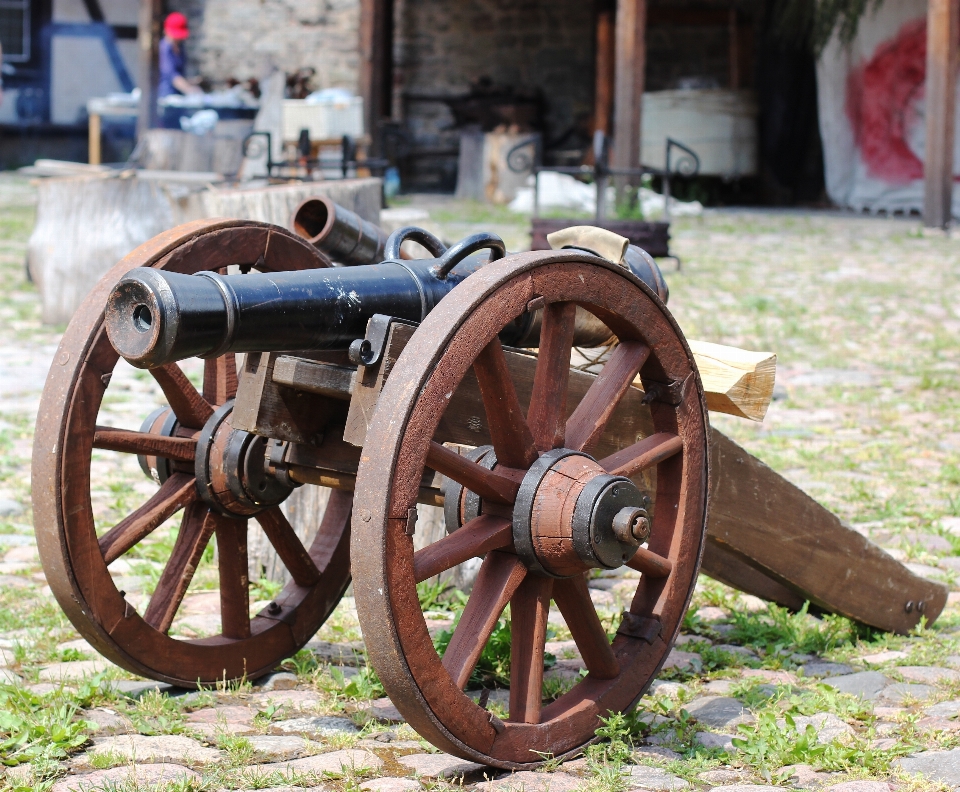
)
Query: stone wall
[{"x": 252, "y": 38}]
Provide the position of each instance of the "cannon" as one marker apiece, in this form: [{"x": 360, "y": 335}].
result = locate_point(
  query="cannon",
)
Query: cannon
[{"x": 406, "y": 382}]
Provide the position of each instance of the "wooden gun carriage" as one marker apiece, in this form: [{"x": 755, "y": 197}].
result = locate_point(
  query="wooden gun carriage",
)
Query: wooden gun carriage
[{"x": 412, "y": 382}]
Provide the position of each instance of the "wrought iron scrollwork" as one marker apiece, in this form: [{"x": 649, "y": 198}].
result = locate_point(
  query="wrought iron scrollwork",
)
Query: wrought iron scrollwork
[
  {"x": 687, "y": 164},
  {"x": 525, "y": 155}
]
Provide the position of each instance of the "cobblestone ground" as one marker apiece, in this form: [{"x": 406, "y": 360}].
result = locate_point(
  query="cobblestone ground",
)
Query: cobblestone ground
[{"x": 864, "y": 316}]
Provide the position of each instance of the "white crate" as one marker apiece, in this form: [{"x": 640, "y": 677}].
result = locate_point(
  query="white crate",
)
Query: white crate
[{"x": 325, "y": 121}]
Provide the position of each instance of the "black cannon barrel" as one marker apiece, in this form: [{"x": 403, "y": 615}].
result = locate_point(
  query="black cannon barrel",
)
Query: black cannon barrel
[{"x": 155, "y": 317}]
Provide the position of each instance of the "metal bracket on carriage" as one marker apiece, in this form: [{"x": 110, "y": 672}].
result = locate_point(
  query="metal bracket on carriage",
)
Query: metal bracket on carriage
[
  {"x": 664, "y": 392},
  {"x": 646, "y": 628},
  {"x": 368, "y": 350},
  {"x": 277, "y": 462}
]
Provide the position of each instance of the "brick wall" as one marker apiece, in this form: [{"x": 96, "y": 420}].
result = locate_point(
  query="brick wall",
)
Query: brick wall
[{"x": 442, "y": 46}]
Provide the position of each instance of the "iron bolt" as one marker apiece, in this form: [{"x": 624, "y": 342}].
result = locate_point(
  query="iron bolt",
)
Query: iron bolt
[
  {"x": 631, "y": 525},
  {"x": 908, "y": 607},
  {"x": 273, "y": 608}
]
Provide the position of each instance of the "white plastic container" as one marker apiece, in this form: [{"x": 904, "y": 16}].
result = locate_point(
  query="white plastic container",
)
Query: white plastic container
[
  {"x": 327, "y": 121},
  {"x": 719, "y": 124}
]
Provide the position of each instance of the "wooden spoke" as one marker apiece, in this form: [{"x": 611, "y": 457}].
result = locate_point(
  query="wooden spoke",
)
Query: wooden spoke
[
  {"x": 548, "y": 402},
  {"x": 647, "y": 452},
  {"x": 497, "y": 580},
  {"x": 529, "y": 609},
  {"x": 480, "y": 535},
  {"x": 234, "y": 591},
  {"x": 573, "y": 599},
  {"x": 195, "y": 531},
  {"x": 220, "y": 379},
  {"x": 175, "y": 493},
  {"x": 486, "y": 483},
  {"x": 509, "y": 432},
  {"x": 289, "y": 547},
  {"x": 650, "y": 564},
  {"x": 590, "y": 418},
  {"x": 336, "y": 521},
  {"x": 181, "y": 449},
  {"x": 187, "y": 404}
]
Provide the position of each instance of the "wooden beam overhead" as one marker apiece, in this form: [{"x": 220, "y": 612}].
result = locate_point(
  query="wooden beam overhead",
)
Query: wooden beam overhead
[{"x": 943, "y": 17}]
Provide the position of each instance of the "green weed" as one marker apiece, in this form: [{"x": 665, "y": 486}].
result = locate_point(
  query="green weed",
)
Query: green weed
[
  {"x": 777, "y": 628},
  {"x": 34, "y": 727},
  {"x": 362, "y": 686},
  {"x": 436, "y": 595}
]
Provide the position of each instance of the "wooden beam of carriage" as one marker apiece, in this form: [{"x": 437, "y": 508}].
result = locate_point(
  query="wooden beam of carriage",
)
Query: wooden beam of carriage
[{"x": 767, "y": 537}]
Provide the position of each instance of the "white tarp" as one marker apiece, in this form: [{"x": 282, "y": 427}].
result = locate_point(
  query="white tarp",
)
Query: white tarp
[{"x": 871, "y": 106}]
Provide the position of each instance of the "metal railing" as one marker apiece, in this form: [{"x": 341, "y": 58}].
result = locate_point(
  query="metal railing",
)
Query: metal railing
[{"x": 527, "y": 154}]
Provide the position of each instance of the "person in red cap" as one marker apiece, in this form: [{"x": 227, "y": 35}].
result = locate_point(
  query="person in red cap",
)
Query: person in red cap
[{"x": 172, "y": 58}]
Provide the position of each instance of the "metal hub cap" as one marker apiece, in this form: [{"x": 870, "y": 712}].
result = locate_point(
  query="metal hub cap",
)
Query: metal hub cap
[
  {"x": 232, "y": 469},
  {"x": 571, "y": 516}
]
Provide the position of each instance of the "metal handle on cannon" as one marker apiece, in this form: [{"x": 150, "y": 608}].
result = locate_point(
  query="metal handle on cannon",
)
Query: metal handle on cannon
[
  {"x": 463, "y": 248},
  {"x": 391, "y": 250}
]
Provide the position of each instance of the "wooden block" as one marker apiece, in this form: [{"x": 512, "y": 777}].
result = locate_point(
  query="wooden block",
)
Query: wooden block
[
  {"x": 736, "y": 381},
  {"x": 267, "y": 408},
  {"x": 325, "y": 379},
  {"x": 369, "y": 382},
  {"x": 762, "y": 519}
]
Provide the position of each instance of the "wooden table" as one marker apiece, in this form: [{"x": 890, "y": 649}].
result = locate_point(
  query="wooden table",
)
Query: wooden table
[{"x": 96, "y": 109}]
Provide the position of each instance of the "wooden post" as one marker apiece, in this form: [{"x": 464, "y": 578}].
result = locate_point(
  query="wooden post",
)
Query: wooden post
[
  {"x": 376, "y": 52},
  {"x": 631, "y": 57},
  {"x": 604, "y": 78},
  {"x": 149, "y": 25},
  {"x": 93, "y": 142},
  {"x": 942, "y": 26}
]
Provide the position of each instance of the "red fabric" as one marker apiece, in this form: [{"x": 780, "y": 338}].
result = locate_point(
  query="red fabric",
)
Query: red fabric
[
  {"x": 175, "y": 26},
  {"x": 881, "y": 98}
]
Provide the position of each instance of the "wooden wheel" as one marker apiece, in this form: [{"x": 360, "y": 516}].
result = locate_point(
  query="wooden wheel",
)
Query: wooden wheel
[
  {"x": 194, "y": 482},
  {"x": 548, "y": 513}
]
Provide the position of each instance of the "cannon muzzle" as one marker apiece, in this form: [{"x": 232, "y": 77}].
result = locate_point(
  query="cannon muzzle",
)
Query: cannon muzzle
[{"x": 339, "y": 233}]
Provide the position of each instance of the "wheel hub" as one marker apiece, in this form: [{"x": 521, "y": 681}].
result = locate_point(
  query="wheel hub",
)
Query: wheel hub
[
  {"x": 162, "y": 423},
  {"x": 233, "y": 468},
  {"x": 571, "y": 516}
]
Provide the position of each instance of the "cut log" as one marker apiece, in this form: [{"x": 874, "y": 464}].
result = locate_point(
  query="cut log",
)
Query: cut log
[
  {"x": 736, "y": 381},
  {"x": 86, "y": 224}
]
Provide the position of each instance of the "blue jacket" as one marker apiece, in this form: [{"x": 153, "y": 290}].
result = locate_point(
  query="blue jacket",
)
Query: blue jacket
[{"x": 172, "y": 64}]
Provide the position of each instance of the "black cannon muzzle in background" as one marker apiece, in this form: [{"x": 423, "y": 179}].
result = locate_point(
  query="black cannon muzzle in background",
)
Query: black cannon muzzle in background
[
  {"x": 155, "y": 317},
  {"x": 339, "y": 233}
]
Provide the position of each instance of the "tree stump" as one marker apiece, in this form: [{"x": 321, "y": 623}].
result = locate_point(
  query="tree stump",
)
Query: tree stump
[{"x": 86, "y": 224}]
